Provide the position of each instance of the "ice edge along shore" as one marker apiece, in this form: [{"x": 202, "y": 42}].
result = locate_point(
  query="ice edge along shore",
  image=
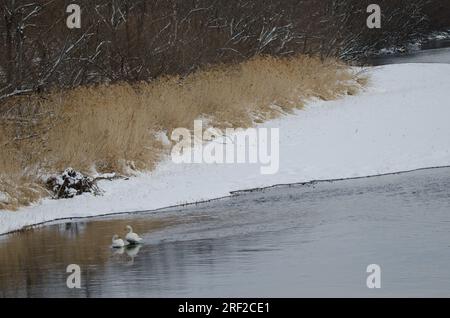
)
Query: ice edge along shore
[{"x": 399, "y": 123}]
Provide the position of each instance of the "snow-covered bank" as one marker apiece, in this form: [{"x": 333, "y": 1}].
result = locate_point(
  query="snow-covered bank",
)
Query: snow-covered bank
[{"x": 400, "y": 123}]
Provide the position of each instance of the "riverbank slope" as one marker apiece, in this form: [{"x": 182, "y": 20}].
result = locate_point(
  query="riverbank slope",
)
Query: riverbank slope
[{"x": 399, "y": 123}]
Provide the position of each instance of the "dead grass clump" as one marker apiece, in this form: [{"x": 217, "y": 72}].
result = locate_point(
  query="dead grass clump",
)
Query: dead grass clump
[
  {"x": 112, "y": 128},
  {"x": 19, "y": 191}
]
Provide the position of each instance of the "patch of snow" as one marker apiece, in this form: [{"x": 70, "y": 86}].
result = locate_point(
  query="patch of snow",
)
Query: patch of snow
[
  {"x": 439, "y": 35},
  {"x": 110, "y": 175},
  {"x": 401, "y": 122},
  {"x": 162, "y": 136},
  {"x": 4, "y": 197},
  {"x": 384, "y": 51}
]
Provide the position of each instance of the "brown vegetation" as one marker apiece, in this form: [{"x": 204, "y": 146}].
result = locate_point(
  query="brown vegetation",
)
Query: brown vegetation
[
  {"x": 113, "y": 128},
  {"x": 94, "y": 98},
  {"x": 135, "y": 40}
]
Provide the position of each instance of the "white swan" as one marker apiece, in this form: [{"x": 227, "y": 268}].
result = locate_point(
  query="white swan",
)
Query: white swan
[
  {"x": 117, "y": 242},
  {"x": 132, "y": 237}
]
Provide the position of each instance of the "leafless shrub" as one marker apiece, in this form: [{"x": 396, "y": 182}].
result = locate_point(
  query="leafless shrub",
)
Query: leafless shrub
[{"x": 135, "y": 40}]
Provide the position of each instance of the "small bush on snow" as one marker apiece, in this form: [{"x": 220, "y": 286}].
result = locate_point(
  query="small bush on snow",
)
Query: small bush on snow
[{"x": 71, "y": 183}]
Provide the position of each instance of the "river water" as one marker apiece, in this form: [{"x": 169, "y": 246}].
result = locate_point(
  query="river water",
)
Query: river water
[
  {"x": 292, "y": 241},
  {"x": 435, "y": 51}
]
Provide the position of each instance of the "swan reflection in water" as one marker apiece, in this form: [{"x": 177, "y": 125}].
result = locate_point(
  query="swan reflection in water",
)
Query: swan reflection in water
[{"x": 128, "y": 252}]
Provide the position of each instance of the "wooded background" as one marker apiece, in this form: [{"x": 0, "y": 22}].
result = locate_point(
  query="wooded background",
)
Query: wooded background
[{"x": 136, "y": 40}]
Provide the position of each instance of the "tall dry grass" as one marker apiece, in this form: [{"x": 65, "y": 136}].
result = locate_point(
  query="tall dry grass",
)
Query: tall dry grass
[{"x": 113, "y": 127}]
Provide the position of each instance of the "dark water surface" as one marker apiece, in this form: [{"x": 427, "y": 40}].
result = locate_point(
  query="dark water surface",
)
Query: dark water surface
[
  {"x": 301, "y": 240},
  {"x": 436, "y": 51}
]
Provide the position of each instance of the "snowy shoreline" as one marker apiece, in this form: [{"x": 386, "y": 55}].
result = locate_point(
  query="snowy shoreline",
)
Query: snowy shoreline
[
  {"x": 231, "y": 194},
  {"x": 399, "y": 123}
]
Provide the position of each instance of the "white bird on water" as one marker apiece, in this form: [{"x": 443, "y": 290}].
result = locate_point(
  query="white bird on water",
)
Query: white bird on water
[
  {"x": 132, "y": 237},
  {"x": 117, "y": 242}
]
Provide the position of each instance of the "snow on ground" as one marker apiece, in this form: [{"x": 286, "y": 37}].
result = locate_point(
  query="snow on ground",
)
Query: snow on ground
[
  {"x": 3, "y": 197},
  {"x": 401, "y": 122}
]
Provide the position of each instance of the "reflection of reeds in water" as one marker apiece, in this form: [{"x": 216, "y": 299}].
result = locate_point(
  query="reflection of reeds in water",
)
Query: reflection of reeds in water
[{"x": 28, "y": 258}]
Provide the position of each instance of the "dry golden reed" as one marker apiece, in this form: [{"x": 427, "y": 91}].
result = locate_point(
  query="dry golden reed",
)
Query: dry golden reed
[{"x": 108, "y": 128}]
